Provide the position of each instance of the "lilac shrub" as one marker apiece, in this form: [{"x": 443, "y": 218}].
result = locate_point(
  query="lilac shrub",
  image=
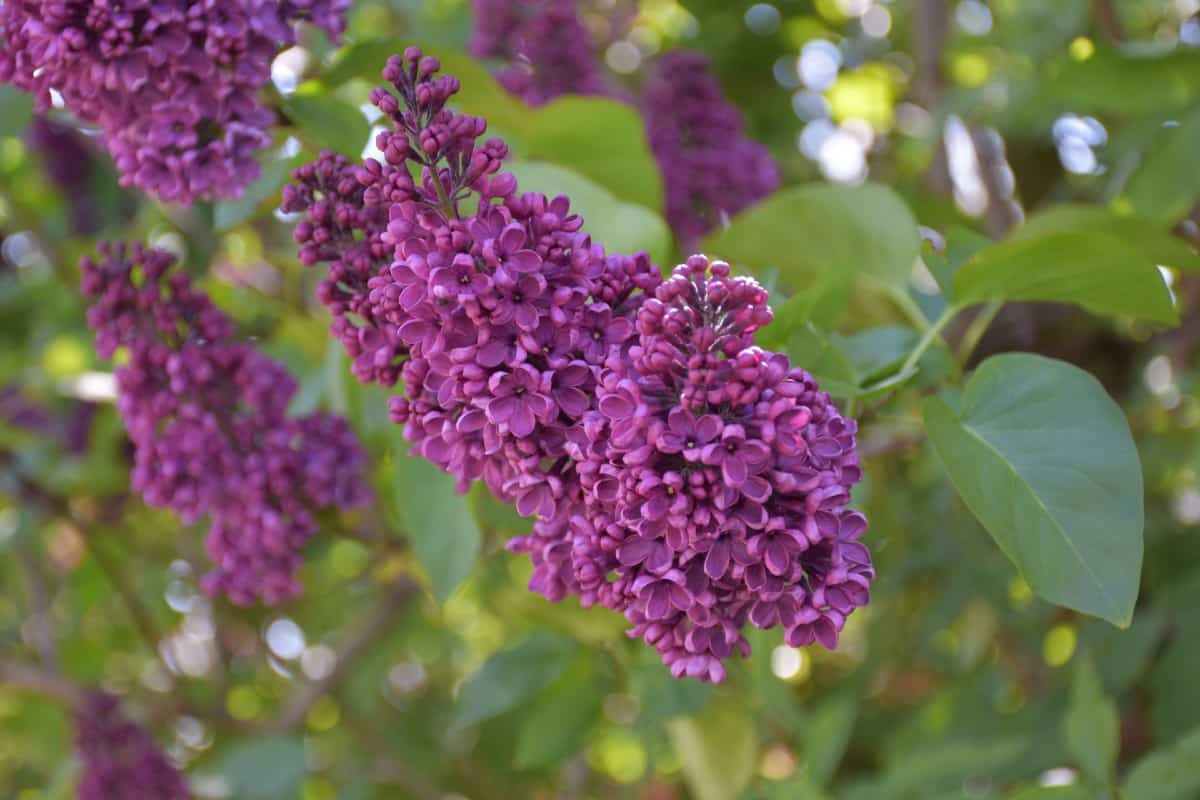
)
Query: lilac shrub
[
  {"x": 544, "y": 44},
  {"x": 120, "y": 761},
  {"x": 207, "y": 414},
  {"x": 677, "y": 474},
  {"x": 173, "y": 86},
  {"x": 710, "y": 168}
]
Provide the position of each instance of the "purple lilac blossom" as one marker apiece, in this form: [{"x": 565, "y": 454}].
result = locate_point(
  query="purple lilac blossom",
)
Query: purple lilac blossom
[
  {"x": 710, "y": 168},
  {"x": 120, "y": 761},
  {"x": 715, "y": 480},
  {"x": 545, "y": 45},
  {"x": 679, "y": 475},
  {"x": 172, "y": 86},
  {"x": 207, "y": 414}
]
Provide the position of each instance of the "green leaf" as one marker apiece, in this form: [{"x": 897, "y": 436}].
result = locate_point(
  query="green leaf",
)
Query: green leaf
[
  {"x": 1167, "y": 774},
  {"x": 1152, "y": 238},
  {"x": 824, "y": 359},
  {"x": 823, "y": 304},
  {"x": 603, "y": 140},
  {"x": 622, "y": 227},
  {"x": 1091, "y": 727},
  {"x": 328, "y": 121},
  {"x": 1167, "y": 182},
  {"x": 512, "y": 676},
  {"x": 1127, "y": 81},
  {"x": 558, "y": 723},
  {"x": 819, "y": 228},
  {"x": 1072, "y": 792},
  {"x": 270, "y": 768},
  {"x": 1098, "y": 271},
  {"x": 945, "y": 766},
  {"x": 231, "y": 213},
  {"x": 662, "y": 697},
  {"x": 16, "y": 109},
  {"x": 445, "y": 537},
  {"x": 827, "y": 734},
  {"x": 1044, "y": 459},
  {"x": 718, "y": 750}
]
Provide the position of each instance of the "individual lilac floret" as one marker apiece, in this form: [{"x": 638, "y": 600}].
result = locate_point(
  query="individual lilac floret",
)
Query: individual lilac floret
[
  {"x": 172, "y": 86},
  {"x": 207, "y": 415},
  {"x": 710, "y": 168},
  {"x": 715, "y": 480},
  {"x": 545, "y": 45},
  {"x": 120, "y": 761}
]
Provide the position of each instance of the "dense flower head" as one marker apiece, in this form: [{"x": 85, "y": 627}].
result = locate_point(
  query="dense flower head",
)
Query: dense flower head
[
  {"x": 714, "y": 480},
  {"x": 677, "y": 474},
  {"x": 172, "y": 86},
  {"x": 544, "y": 43},
  {"x": 710, "y": 168},
  {"x": 207, "y": 414},
  {"x": 120, "y": 760}
]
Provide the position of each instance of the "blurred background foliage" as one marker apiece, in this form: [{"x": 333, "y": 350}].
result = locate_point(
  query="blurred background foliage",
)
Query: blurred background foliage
[{"x": 956, "y": 682}]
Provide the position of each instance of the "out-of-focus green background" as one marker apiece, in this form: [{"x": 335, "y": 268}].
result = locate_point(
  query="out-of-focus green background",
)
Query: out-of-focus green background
[{"x": 955, "y": 682}]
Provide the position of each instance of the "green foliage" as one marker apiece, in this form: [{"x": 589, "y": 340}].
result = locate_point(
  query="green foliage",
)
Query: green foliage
[
  {"x": 1043, "y": 457},
  {"x": 809, "y": 230},
  {"x": 1059, "y": 435}
]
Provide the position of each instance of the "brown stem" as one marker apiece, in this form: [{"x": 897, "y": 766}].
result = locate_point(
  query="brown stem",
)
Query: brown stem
[
  {"x": 1108, "y": 21},
  {"x": 30, "y": 678},
  {"x": 374, "y": 625}
]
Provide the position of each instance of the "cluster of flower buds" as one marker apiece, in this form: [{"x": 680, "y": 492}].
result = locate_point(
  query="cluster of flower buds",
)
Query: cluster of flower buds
[
  {"x": 677, "y": 473},
  {"x": 119, "y": 758},
  {"x": 172, "y": 86},
  {"x": 207, "y": 414}
]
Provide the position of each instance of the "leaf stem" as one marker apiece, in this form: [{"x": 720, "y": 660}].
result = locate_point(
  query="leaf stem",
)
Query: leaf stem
[
  {"x": 977, "y": 329},
  {"x": 931, "y": 333}
]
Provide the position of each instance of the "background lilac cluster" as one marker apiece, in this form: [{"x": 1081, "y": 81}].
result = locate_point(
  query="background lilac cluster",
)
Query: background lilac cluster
[
  {"x": 173, "y": 86},
  {"x": 120, "y": 759},
  {"x": 711, "y": 170},
  {"x": 678, "y": 474},
  {"x": 207, "y": 415}
]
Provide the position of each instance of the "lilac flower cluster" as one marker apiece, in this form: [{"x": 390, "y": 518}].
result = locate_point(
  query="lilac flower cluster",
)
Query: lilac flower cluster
[
  {"x": 710, "y": 168},
  {"x": 173, "y": 86},
  {"x": 678, "y": 474},
  {"x": 207, "y": 415},
  {"x": 544, "y": 44},
  {"x": 120, "y": 759}
]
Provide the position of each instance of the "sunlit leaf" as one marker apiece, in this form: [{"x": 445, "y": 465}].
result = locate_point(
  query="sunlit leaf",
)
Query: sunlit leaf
[
  {"x": 328, "y": 121},
  {"x": 809, "y": 230},
  {"x": 512, "y": 676},
  {"x": 1100, "y": 272},
  {"x": 558, "y": 722},
  {"x": 1044, "y": 458},
  {"x": 717, "y": 749}
]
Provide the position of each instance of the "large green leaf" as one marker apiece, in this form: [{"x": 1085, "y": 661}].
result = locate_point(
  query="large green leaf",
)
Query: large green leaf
[
  {"x": 231, "y": 213},
  {"x": 1127, "y": 82},
  {"x": 559, "y": 721},
  {"x": 1151, "y": 238},
  {"x": 827, "y": 734},
  {"x": 717, "y": 750},
  {"x": 1091, "y": 725},
  {"x": 622, "y": 227},
  {"x": 812, "y": 229},
  {"x": 1044, "y": 458},
  {"x": 444, "y": 535},
  {"x": 1098, "y": 271},
  {"x": 269, "y": 768},
  {"x": 328, "y": 121},
  {"x": 1168, "y": 774},
  {"x": 1073, "y": 792},
  {"x": 1167, "y": 182},
  {"x": 512, "y": 676},
  {"x": 602, "y": 139}
]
